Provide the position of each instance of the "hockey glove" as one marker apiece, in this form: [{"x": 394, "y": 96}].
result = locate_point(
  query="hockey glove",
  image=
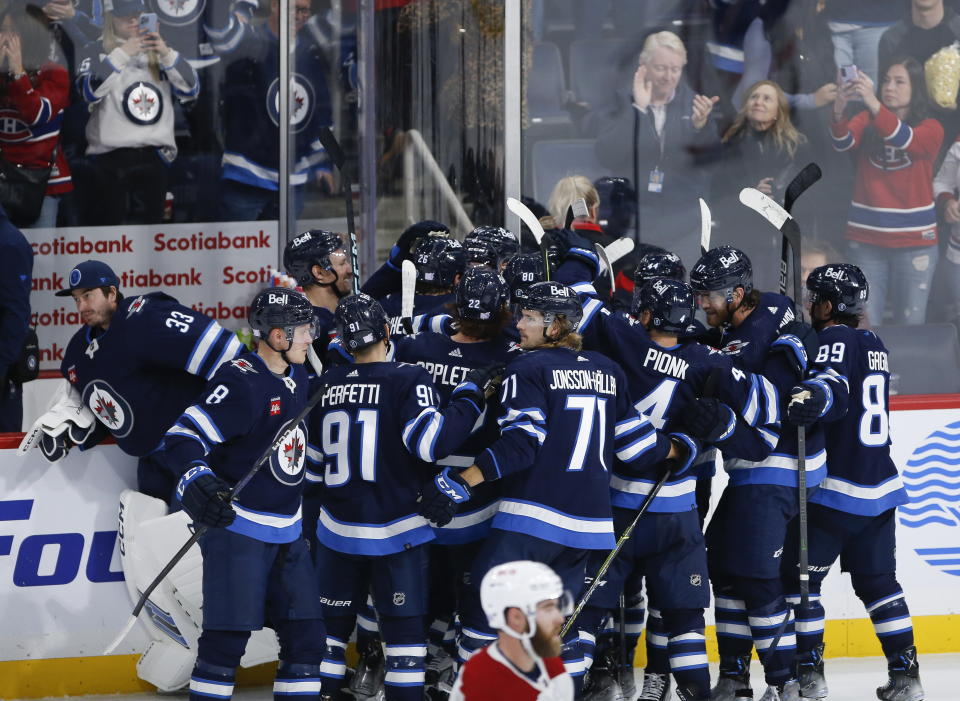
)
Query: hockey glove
[
  {"x": 809, "y": 401},
  {"x": 442, "y": 496},
  {"x": 800, "y": 343},
  {"x": 403, "y": 248},
  {"x": 205, "y": 497},
  {"x": 709, "y": 420},
  {"x": 688, "y": 449},
  {"x": 569, "y": 245},
  {"x": 479, "y": 384}
]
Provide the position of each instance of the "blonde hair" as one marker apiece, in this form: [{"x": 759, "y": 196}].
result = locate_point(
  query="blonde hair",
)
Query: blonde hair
[
  {"x": 111, "y": 41},
  {"x": 665, "y": 40},
  {"x": 785, "y": 135},
  {"x": 568, "y": 191}
]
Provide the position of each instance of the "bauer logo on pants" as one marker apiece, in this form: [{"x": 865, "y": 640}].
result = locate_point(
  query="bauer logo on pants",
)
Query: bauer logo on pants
[
  {"x": 288, "y": 460},
  {"x": 931, "y": 477}
]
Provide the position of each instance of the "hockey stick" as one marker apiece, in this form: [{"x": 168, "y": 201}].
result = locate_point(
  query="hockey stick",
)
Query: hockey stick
[
  {"x": 619, "y": 248},
  {"x": 536, "y": 228},
  {"x": 708, "y": 390},
  {"x": 339, "y": 158},
  {"x": 231, "y": 496},
  {"x": 810, "y": 174},
  {"x": 606, "y": 264},
  {"x": 408, "y": 288},
  {"x": 706, "y": 224}
]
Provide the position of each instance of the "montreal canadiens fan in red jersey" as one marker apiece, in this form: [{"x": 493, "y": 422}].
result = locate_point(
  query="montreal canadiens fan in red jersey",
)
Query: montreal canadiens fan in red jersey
[{"x": 525, "y": 602}]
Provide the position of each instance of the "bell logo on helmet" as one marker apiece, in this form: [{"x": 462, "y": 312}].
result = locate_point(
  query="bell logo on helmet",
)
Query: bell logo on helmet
[
  {"x": 274, "y": 298},
  {"x": 302, "y": 238},
  {"x": 660, "y": 286},
  {"x": 835, "y": 273},
  {"x": 727, "y": 261},
  {"x": 559, "y": 291}
]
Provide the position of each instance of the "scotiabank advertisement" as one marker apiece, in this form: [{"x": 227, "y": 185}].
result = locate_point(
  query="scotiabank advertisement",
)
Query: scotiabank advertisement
[{"x": 214, "y": 268}]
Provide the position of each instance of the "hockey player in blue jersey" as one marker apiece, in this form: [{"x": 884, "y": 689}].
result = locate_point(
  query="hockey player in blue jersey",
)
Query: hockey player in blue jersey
[
  {"x": 664, "y": 375},
  {"x": 440, "y": 262},
  {"x": 319, "y": 263},
  {"x": 257, "y": 567},
  {"x": 565, "y": 415},
  {"x": 134, "y": 366},
  {"x": 747, "y": 533},
  {"x": 480, "y": 315},
  {"x": 385, "y": 280},
  {"x": 852, "y": 514},
  {"x": 375, "y": 426},
  {"x": 501, "y": 243}
]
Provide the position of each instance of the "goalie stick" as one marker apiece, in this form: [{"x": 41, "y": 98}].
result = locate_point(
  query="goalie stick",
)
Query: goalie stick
[
  {"x": 339, "y": 158},
  {"x": 231, "y": 496}
]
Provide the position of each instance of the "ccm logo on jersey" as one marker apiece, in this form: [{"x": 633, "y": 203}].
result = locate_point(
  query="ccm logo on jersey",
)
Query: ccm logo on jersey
[{"x": 275, "y": 406}]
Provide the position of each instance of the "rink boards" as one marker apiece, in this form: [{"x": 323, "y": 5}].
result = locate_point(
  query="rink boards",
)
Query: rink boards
[{"x": 62, "y": 598}]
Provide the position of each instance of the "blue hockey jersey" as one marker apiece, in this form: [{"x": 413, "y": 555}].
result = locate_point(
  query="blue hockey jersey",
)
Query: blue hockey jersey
[
  {"x": 243, "y": 409},
  {"x": 861, "y": 479},
  {"x": 448, "y": 362},
  {"x": 138, "y": 375},
  {"x": 373, "y": 430},
  {"x": 661, "y": 381},
  {"x": 566, "y": 416}
]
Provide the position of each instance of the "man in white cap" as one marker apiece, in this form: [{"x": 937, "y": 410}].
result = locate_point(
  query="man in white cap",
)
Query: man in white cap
[{"x": 525, "y": 603}]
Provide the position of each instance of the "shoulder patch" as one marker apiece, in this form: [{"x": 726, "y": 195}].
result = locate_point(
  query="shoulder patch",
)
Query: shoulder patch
[
  {"x": 734, "y": 347},
  {"x": 137, "y": 304},
  {"x": 243, "y": 365}
]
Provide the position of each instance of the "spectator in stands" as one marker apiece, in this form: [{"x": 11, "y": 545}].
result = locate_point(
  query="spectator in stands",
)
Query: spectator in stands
[
  {"x": 16, "y": 270},
  {"x": 33, "y": 94},
  {"x": 655, "y": 137},
  {"x": 928, "y": 28},
  {"x": 130, "y": 78},
  {"x": 946, "y": 187},
  {"x": 250, "y": 178},
  {"x": 892, "y": 227},
  {"x": 856, "y": 28}
]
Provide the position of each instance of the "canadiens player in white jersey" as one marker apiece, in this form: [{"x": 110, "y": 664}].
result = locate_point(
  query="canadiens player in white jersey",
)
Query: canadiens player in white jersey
[{"x": 525, "y": 603}]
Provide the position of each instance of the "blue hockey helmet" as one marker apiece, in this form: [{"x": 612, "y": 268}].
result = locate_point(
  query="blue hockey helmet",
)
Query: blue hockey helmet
[
  {"x": 723, "y": 268},
  {"x": 439, "y": 260},
  {"x": 553, "y": 299},
  {"x": 670, "y": 303},
  {"x": 658, "y": 265},
  {"x": 481, "y": 253},
  {"x": 522, "y": 271},
  {"x": 481, "y": 294},
  {"x": 279, "y": 308},
  {"x": 360, "y": 321},
  {"x": 843, "y": 284},
  {"x": 503, "y": 242},
  {"x": 308, "y": 249}
]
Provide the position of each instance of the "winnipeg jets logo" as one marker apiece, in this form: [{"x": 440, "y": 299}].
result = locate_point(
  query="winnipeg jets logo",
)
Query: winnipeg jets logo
[
  {"x": 288, "y": 461},
  {"x": 302, "y": 102},
  {"x": 734, "y": 347},
  {"x": 143, "y": 103},
  {"x": 179, "y": 12},
  {"x": 110, "y": 408}
]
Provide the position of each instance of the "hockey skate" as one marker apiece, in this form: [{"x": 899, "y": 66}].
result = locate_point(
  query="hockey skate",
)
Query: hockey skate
[
  {"x": 367, "y": 681},
  {"x": 789, "y": 691},
  {"x": 734, "y": 679},
  {"x": 656, "y": 687},
  {"x": 813, "y": 685},
  {"x": 441, "y": 673},
  {"x": 904, "y": 681},
  {"x": 601, "y": 685}
]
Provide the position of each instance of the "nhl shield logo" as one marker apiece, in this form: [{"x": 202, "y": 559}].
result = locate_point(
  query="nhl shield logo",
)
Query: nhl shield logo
[
  {"x": 399, "y": 598},
  {"x": 302, "y": 102},
  {"x": 695, "y": 580},
  {"x": 288, "y": 461},
  {"x": 178, "y": 13},
  {"x": 143, "y": 103},
  {"x": 110, "y": 408}
]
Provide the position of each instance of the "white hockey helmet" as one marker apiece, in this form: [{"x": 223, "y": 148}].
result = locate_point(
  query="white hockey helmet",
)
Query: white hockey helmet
[{"x": 520, "y": 584}]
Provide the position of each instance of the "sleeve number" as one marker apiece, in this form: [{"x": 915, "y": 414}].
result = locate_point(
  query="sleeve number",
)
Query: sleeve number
[
  {"x": 218, "y": 394},
  {"x": 179, "y": 321},
  {"x": 426, "y": 396},
  {"x": 593, "y": 415},
  {"x": 875, "y": 421},
  {"x": 336, "y": 442}
]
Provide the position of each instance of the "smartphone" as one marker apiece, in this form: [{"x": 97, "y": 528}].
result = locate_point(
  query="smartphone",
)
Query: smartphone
[
  {"x": 580, "y": 210},
  {"x": 849, "y": 74},
  {"x": 148, "y": 23}
]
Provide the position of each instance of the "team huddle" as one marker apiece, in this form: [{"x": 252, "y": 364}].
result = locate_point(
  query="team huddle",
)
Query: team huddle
[{"x": 444, "y": 482}]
